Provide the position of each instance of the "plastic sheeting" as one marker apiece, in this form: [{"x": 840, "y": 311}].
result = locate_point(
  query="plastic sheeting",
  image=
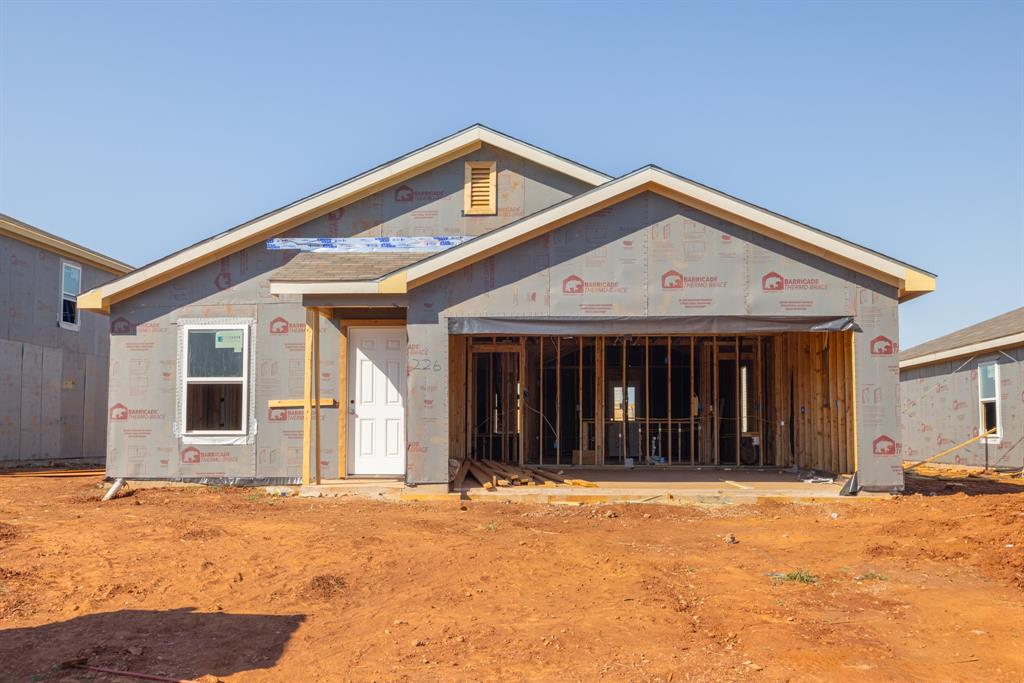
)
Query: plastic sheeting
[
  {"x": 368, "y": 245},
  {"x": 699, "y": 324}
]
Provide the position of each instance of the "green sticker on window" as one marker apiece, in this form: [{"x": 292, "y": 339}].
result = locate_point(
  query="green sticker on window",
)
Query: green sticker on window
[{"x": 230, "y": 339}]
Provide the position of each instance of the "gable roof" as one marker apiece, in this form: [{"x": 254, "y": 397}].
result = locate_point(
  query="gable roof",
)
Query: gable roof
[
  {"x": 23, "y": 232},
  {"x": 301, "y": 211},
  {"x": 909, "y": 280},
  {"x": 998, "y": 332}
]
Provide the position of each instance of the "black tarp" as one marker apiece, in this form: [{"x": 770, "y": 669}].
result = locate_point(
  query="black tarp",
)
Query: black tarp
[{"x": 701, "y": 324}]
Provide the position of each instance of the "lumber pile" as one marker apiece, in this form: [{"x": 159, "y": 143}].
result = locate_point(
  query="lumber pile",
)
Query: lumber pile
[{"x": 492, "y": 474}]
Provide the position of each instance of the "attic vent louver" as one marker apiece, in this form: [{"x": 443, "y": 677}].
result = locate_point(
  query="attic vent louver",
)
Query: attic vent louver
[{"x": 481, "y": 188}]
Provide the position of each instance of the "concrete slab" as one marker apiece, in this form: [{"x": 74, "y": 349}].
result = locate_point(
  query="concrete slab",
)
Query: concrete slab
[{"x": 665, "y": 486}]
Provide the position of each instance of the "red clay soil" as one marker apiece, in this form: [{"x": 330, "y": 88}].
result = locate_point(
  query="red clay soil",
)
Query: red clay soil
[{"x": 236, "y": 585}]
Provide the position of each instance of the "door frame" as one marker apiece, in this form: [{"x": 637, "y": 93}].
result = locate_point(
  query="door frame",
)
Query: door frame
[{"x": 345, "y": 326}]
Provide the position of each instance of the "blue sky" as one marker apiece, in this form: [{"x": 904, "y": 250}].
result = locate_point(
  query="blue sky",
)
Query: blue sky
[{"x": 139, "y": 128}]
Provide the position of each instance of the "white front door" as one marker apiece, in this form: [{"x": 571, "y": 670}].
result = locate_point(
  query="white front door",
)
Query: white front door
[{"x": 376, "y": 377}]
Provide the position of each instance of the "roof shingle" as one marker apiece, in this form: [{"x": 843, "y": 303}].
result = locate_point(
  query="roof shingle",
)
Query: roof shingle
[
  {"x": 993, "y": 328},
  {"x": 311, "y": 266}
]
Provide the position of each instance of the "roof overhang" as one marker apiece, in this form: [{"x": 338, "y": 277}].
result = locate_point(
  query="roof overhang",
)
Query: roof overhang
[
  {"x": 908, "y": 280},
  {"x": 1009, "y": 340},
  {"x": 23, "y": 232},
  {"x": 304, "y": 210}
]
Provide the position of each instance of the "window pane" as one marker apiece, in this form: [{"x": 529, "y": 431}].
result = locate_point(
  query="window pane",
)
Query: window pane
[
  {"x": 71, "y": 283},
  {"x": 69, "y": 311},
  {"x": 215, "y": 353},
  {"x": 988, "y": 411},
  {"x": 214, "y": 407},
  {"x": 987, "y": 378}
]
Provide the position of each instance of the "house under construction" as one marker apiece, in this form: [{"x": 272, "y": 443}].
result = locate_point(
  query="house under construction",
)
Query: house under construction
[{"x": 484, "y": 299}]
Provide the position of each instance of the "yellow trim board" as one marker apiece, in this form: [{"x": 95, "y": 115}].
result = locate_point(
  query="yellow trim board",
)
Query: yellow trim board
[
  {"x": 300, "y": 403},
  {"x": 910, "y": 282}
]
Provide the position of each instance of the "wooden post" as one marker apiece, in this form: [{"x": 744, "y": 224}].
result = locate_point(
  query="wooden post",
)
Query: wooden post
[
  {"x": 307, "y": 396},
  {"x": 558, "y": 400},
  {"x": 316, "y": 391},
  {"x": 579, "y": 437},
  {"x": 693, "y": 415},
  {"x": 647, "y": 399},
  {"x": 521, "y": 416},
  {"x": 343, "y": 400},
  {"x": 736, "y": 410},
  {"x": 624, "y": 355},
  {"x": 598, "y": 389},
  {"x": 852, "y": 392},
  {"x": 540, "y": 401},
  {"x": 668, "y": 359}
]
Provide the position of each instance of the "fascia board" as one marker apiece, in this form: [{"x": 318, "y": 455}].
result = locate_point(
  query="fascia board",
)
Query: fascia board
[
  {"x": 657, "y": 180},
  {"x": 980, "y": 347},
  {"x": 100, "y": 298}
]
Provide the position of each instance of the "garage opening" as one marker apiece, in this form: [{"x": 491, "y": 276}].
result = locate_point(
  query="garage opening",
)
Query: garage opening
[{"x": 772, "y": 400}]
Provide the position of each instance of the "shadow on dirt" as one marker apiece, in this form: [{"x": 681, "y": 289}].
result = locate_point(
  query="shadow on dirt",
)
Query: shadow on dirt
[{"x": 180, "y": 643}]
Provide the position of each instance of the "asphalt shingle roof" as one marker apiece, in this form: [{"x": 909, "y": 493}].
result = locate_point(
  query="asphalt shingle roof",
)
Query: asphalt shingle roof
[
  {"x": 311, "y": 266},
  {"x": 993, "y": 328}
]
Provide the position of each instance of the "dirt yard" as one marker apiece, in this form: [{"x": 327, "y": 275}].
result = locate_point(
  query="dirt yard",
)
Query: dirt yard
[{"x": 236, "y": 585}]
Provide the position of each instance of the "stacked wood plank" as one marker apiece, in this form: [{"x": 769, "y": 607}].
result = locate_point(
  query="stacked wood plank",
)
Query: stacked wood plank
[{"x": 492, "y": 474}]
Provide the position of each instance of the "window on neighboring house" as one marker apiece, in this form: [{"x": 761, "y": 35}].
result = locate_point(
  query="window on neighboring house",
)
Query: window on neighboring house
[
  {"x": 988, "y": 395},
  {"x": 70, "y": 288},
  {"x": 216, "y": 379},
  {"x": 481, "y": 191}
]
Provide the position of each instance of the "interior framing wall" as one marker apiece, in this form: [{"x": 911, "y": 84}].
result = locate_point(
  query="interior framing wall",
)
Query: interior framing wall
[{"x": 802, "y": 417}]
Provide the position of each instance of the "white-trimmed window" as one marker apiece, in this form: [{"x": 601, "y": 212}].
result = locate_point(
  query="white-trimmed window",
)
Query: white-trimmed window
[
  {"x": 988, "y": 397},
  {"x": 70, "y": 288},
  {"x": 215, "y": 394}
]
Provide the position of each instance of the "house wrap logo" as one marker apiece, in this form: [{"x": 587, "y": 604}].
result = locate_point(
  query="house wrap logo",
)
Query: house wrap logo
[
  {"x": 191, "y": 456},
  {"x": 882, "y": 346},
  {"x": 119, "y": 412},
  {"x": 120, "y": 325},
  {"x": 883, "y": 445},
  {"x": 774, "y": 282},
  {"x": 673, "y": 279},
  {"x": 572, "y": 285},
  {"x": 281, "y": 325},
  {"x": 222, "y": 281},
  {"x": 405, "y": 193}
]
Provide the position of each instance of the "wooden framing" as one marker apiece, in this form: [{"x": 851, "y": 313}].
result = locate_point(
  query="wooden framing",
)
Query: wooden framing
[
  {"x": 311, "y": 392},
  {"x": 299, "y": 403},
  {"x": 803, "y": 386}
]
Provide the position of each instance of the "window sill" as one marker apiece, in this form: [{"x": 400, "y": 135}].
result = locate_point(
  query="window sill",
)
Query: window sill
[
  {"x": 230, "y": 439},
  {"x": 74, "y": 327}
]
